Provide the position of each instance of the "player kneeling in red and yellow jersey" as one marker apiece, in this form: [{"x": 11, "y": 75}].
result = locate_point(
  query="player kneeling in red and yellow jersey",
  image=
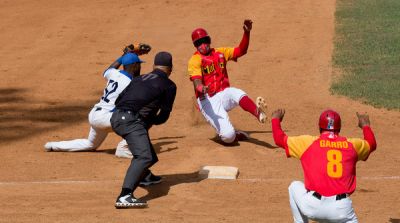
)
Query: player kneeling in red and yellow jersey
[{"x": 329, "y": 166}]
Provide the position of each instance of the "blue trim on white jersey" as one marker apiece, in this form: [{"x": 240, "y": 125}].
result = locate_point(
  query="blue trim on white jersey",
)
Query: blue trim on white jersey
[{"x": 126, "y": 74}]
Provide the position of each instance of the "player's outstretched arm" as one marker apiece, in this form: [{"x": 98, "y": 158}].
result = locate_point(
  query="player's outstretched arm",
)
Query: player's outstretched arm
[
  {"x": 137, "y": 48},
  {"x": 244, "y": 44},
  {"x": 277, "y": 132},
  {"x": 364, "y": 124},
  {"x": 116, "y": 64}
]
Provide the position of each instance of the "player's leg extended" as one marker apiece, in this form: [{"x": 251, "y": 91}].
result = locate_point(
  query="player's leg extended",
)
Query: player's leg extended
[
  {"x": 215, "y": 114},
  {"x": 96, "y": 137},
  {"x": 100, "y": 127},
  {"x": 234, "y": 97}
]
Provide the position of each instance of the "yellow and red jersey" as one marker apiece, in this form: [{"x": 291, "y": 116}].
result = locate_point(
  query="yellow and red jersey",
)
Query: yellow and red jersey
[
  {"x": 211, "y": 69},
  {"x": 329, "y": 160}
]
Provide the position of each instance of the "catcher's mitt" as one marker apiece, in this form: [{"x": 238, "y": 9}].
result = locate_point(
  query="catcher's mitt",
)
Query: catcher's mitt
[{"x": 138, "y": 48}]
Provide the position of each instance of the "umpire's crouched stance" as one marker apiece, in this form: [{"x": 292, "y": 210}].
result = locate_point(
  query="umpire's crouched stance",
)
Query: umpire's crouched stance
[{"x": 147, "y": 100}]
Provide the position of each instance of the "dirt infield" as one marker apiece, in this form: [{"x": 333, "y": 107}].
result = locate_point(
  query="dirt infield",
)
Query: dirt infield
[{"x": 54, "y": 52}]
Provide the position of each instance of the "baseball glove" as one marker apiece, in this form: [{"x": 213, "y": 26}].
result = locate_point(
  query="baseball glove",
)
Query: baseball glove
[{"x": 138, "y": 48}]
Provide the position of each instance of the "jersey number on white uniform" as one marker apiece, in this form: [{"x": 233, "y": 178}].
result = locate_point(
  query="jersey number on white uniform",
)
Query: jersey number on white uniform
[{"x": 111, "y": 88}]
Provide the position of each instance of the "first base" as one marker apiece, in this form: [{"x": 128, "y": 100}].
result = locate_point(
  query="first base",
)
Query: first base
[{"x": 219, "y": 172}]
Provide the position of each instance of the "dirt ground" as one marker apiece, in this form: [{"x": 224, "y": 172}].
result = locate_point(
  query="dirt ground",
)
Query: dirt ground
[{"x": 53, "y": 54}]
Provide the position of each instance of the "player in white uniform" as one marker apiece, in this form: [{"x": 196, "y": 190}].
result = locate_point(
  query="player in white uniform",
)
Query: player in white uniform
[{"x": 99, "y": 116}]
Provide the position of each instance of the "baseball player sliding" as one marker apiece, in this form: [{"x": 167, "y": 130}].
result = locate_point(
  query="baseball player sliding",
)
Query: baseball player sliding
[
  {"x": 99, "y": 116},
  {"x": 215, "y": 98},
  {"x": 329, "y": 166}
]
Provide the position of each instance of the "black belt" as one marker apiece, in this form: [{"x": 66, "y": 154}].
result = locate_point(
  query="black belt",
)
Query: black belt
[
  {"x": 98, "y": 109},
  {"x": 338, "y": 197}
]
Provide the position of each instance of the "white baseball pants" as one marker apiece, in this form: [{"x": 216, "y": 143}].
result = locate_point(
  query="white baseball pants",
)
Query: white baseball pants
[
  {"x": 100, "y": 126},
  {"x": 305, "y": 206},
  {"x": 215, "y": 110}
]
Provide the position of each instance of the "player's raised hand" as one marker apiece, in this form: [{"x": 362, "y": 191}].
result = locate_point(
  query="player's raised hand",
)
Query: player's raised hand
[
  {"x": 247, "y": 25},
  {"x": 279, "y": 113},
  {"x": 363, "y": 119}
]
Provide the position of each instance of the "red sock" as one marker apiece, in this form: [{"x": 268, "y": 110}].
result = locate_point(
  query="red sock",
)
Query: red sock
[{"x": 248, "y": 105}]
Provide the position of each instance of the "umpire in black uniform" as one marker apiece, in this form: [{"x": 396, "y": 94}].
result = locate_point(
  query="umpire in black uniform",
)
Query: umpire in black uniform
[{"x": 147, "y": 100}]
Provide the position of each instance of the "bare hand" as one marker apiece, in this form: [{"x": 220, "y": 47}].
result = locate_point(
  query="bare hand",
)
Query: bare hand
[
  {"x": 363, "y": 120},
  {"x": 205, "y": 89},
  {"x": 247, "y": 25},
  {"x": 279, "y": 113}
]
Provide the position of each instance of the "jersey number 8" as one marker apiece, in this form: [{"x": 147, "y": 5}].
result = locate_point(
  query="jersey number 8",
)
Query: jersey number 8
[{"x": 334, "y": 167}]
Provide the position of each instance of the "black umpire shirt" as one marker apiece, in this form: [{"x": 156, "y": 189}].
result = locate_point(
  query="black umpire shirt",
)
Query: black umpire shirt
[{"x": 151, "y": 95}]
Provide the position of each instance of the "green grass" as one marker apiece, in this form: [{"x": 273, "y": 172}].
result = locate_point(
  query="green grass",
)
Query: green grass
[{"x": 367, "y": 51}]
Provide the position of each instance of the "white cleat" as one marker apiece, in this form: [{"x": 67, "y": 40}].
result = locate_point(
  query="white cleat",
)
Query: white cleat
[
  {"x": 262, "y": 109},
  {"x": 123, "y": 153},
  {"x": 48, "y": 147}
]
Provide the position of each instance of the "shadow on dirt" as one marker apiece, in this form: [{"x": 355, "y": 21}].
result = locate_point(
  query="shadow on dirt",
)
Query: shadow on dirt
[
  {"x": 159, "y": 190},
  {"x": 21, "y": 118},
  {"x": 158, "y": 146},
  {"x": 394, "y": 220},
  {"x": 250, "y": 140}
]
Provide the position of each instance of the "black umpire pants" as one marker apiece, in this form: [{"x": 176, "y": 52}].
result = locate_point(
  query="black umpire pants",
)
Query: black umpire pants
[{"x": 129, "y": 126}]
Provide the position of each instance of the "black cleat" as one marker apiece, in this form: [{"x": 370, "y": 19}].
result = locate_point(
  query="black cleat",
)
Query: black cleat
[
  {"x": 128, "y": 201},
  {"x": 150, "y": 180}
]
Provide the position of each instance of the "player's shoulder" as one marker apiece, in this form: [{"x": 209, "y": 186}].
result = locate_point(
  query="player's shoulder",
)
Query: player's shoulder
[
  {"x": 223, "y": 49},
  {"x": 308, "y": 139},
  {"x": 355, "y": 140},
  {"x": 305, "y": 137},
  {"x": 110, "y": 70},
  {"x": 116, "y": 74},
  {"x": 195, "y": 57}
]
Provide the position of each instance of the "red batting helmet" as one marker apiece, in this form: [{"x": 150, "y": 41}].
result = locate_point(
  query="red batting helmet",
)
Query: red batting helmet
[
  {"x": 198, "y": 34},
  {"x": 330, "y": 120}
]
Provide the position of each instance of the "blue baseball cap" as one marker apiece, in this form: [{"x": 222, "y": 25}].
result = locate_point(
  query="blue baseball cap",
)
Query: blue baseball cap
[{"x": 130, "y": 58}]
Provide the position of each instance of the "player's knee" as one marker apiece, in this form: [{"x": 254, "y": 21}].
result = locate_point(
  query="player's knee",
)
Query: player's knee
[
  {"x": 92, "y": 145},
  {"x": 228, "y": 136},
  {"x": 237, "y": 94},
  {"x": 145, "y": 160}
]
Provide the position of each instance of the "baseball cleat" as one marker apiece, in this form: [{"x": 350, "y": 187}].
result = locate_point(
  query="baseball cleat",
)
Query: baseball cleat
[
  {"x": 150, "y": 180},
  {"x": 128, "y": 201},
  {"x": 48, "y": 147},
  {"x": 262, "y": 109},
  {"x": 241, "y": 135},
  {"x": 123, "y": 153}
]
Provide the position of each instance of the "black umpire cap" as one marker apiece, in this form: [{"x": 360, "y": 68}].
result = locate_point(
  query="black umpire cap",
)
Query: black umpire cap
[{"x": 163, "y": 59}]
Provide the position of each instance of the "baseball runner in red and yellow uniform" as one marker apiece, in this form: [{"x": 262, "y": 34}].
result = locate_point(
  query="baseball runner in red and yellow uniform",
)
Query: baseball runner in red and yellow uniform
[
  {"x": 329, "y": 167},
  {"x": 215, "y": 97}
]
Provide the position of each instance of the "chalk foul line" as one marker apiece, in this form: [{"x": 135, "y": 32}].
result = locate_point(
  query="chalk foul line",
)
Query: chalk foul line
[{"x": 7, "y": 183}]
